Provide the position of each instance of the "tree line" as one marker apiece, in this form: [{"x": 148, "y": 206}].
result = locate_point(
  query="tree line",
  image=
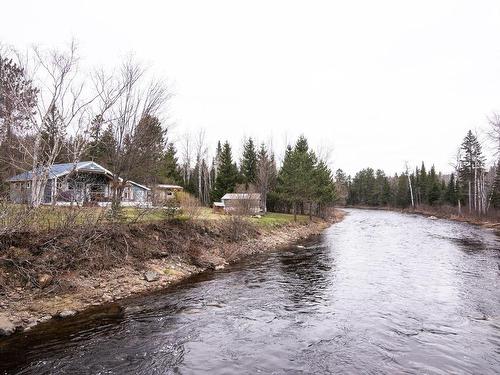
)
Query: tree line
[
  {"x": 302, "y": 184},
  {"x": 472, "y": 187}
]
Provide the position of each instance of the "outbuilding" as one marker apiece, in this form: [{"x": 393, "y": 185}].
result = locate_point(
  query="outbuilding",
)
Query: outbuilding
[{"x": 242, "y": 203}]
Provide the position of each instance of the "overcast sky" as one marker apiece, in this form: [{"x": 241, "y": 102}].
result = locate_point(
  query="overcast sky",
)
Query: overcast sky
[{"x": 377, "y": 82}]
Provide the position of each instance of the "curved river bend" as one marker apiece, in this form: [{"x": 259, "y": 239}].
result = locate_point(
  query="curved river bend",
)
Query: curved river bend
[{"x": 380, "y": 292}]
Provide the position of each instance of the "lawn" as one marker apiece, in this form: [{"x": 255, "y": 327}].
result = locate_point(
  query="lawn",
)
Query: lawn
[
  {"x": 274, "y": 219},
  {"x": 49, "y": 217},
  {"x": 267, "y": 220}
]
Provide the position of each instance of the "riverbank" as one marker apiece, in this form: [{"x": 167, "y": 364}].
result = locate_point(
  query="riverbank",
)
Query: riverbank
[{"x": 57, "y": 275}]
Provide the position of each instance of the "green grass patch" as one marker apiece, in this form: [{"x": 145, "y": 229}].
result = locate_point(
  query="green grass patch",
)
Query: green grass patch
[{"x": 274, "y": 219}]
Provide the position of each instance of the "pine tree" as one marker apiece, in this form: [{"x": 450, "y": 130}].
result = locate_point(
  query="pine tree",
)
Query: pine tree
[
  {"x": 18, "y": 97},
  {"x": 471, "y": 172},
  {"x": 495, "y": 191},
  {"x": 104, "y": 151},
  {"x": 266, "y": 175},
  {"x": 144, "y": 149},
  {"x": 52, "y": 137},
  {"x": 342, "y": 186},
  {"x": 295, "y": 180},
  {"x": 169, "y": 171},
  {"x": 433, "y": 187},
  {"x": 402, "y": 196},
  {"x": 249, "y": 163},
  {"x": 324, "y": 187},
  {"x": 227, "y": 174}
]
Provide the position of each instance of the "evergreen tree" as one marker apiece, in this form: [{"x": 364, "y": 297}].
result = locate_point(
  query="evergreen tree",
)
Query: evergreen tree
[
  {"x": 169, "y": 171},
  {"x": 144, "y": 149},
  {"x": 471, "y": 170},
  {"x": 433, "y": 187},
  {"x": 402, "y": 196},
  {"x": 495, "y": 190},
  {"x": 266, "y": 174},
  {"x": 105, "y": 148},
  {"x": 295, "y": 180},
  {"x": 227, "y": 174},
  {"x": 97, "y": 149},
  {"x": 18, "y": 97},
  {"x": 249, "y": 163},
  {"x": 53, "y": 137},
  {"x": 324, "y": 186},
  {"x": 342, "y": 186}
]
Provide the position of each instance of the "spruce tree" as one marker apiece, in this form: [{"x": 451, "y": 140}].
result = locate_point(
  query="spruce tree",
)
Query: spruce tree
[
  {"x": 433, "y": 187},
  {"x": 227, "y": 175},
  {"x": 169, "y": 171},
  {"x": 471, "y": 169},
  {"x": 249, "y": 163},
  {"x": 324, "y": 186}
]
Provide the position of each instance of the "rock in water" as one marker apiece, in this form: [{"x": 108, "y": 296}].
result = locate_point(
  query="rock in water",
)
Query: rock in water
[
  {"x": 433, "y": 217},
  {"x": 6, "y": 327},
  {"x": 151, "y": 276}
]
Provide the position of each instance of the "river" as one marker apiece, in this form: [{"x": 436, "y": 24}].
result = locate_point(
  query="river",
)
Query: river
[{"x": 380, "y": 292}]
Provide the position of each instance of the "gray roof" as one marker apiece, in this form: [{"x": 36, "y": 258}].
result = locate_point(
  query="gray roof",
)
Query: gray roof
[
  {"x": 250, "y": 196},
  {"x": 59, "y": 170},
  {"x": 168, "y": 186},
  {"x": 139, "y": 185}
]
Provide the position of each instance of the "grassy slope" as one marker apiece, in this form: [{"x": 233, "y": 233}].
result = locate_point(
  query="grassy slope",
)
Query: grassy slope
[{"x": 48, "y": 217}]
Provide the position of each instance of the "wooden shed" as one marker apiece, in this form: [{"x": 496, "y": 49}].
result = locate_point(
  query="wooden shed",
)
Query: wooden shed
[{"x": 242, "y": 203}]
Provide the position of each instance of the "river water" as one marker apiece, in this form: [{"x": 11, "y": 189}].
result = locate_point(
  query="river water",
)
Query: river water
[{"x": 380, "y": 292}]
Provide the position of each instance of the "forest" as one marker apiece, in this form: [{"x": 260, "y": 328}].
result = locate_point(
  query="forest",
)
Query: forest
[{"x": 472, "y": 188}]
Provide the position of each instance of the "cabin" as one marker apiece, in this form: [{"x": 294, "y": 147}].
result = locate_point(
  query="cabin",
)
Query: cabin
[
  {"x": 164, "y": 192},
  {"x": 242, "y": 203},
  {"x": 85, "y": 183}
]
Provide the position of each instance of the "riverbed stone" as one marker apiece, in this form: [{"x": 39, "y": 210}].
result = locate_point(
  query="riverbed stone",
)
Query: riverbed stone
[
  {"x": 45, "y": 318},
  {"x": 67, "y": 313},
  {"x": 7, "y": 328},
  {"x": 151, "y": 276}
]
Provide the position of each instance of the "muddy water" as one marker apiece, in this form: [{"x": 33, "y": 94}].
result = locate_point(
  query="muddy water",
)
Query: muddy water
[{"x": 380, "y": 292}]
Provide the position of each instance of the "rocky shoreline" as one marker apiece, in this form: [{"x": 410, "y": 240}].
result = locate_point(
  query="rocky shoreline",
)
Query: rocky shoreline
[{"x": 25, "y": 308}]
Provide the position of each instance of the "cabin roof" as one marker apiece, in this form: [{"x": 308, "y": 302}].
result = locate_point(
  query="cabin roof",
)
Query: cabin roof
[
  {"x": 139, "y": 185},
  {"x": 167, "y": 186},
  {"x": 237, "y": 196},
  {"x": 59, "y": 170}
]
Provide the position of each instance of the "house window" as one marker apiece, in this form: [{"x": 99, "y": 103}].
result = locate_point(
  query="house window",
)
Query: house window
[{"x": 28, "y": 184}]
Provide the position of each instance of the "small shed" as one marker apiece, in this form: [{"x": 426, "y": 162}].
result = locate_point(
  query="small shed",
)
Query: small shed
[
  {"x": 164, "y": 192},
  {"x": 242, "y": 203}
]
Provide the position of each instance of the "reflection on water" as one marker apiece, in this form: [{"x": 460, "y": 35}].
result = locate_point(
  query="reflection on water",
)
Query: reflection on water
[{"x": 380, "y": 292}]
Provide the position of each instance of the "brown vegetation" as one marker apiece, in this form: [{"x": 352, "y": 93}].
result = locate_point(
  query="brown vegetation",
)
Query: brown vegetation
[{"x": 46, "y": 272}]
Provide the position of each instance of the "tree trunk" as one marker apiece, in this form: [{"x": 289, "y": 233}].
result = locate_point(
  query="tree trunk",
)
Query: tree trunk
[{"x": 470, "y": 197}]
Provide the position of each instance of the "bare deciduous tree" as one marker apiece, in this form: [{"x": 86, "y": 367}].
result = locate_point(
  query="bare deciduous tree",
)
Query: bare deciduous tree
[
  {"x": 64, "y": 106},
  {"x": 133, "y": 97}
]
